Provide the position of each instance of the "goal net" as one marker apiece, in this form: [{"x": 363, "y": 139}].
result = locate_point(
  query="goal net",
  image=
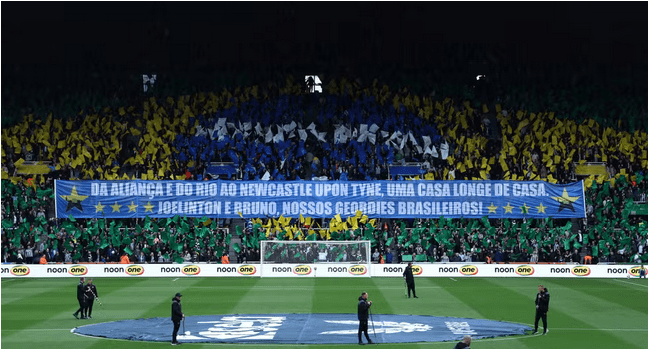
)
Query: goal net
[{"x": 297, "y": 252}]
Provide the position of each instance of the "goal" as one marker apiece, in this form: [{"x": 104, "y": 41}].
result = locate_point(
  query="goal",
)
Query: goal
[{"x": 298, "y": 252}]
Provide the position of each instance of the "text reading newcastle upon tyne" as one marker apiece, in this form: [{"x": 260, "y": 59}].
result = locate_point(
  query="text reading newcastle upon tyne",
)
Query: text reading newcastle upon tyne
[{"x": 315, "y": 199}]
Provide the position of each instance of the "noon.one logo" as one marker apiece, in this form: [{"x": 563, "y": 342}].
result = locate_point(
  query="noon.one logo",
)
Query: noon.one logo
[
  {"x": 524, "y": 270},
  {"x": 468, "y": 270},
  {"x": 581, "y": 270},
  {"x": 134, "y": 270},
  {"x": 78, "y": 270},
  {"x": 302, "y": 269},
  {"x": 20, "y": 270},
  {"x": 417, "y": 269},
  {"x": 358, "y": 269},
  {"x": 634, "y": 271},
  {"x": 191, "y": 270},
  {"x": 247, "y": 269}
]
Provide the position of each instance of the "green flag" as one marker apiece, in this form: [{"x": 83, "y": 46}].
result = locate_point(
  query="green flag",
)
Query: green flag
[
  {"x": 128, "y": 250},
  {"x": 104, "y": 244},
  {"x": 312, "y": 237},
  {"x": 6, "y": 224},
  {"x": 237, "y": 247},
  {"x": 239, "y": 230}
]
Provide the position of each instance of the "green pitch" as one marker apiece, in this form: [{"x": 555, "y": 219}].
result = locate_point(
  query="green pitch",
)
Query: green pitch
[{"x": 584, "y": 313}]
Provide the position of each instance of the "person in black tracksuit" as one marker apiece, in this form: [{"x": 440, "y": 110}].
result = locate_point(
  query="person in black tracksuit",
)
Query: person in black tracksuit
[
  {"x": 81, "y": 299},
  {"x": 176, "y": 316},
  {"x": 409, "y": 279},
  {"x": 542, "y": 307},
  {"x": 90, "y": 295},
  {"x": 363, "y": 316}
]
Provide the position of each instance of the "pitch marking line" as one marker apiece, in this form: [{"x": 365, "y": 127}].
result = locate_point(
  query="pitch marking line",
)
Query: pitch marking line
[
  {"x": 453, "y": 279},
  {"x": 175, "y": 279},
  {"x": 632, "y": 283}
]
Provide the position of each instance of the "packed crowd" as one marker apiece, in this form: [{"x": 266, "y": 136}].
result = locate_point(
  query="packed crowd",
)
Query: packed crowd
[{"x": 352, "y": 133}]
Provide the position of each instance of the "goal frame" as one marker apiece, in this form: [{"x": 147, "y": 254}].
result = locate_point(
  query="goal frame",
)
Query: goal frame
[{"x": 365, "y": 243}]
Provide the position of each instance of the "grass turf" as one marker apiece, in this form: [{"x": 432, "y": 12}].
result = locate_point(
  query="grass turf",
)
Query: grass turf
[{"x": 584, "y": 313}]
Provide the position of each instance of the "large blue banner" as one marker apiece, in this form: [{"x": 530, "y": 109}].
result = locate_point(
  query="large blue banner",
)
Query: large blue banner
[{"x": 387, "y": 199}]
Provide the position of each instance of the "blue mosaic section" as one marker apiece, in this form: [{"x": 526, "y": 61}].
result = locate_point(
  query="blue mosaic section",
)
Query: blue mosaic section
[{"x": 303, "y": 329}]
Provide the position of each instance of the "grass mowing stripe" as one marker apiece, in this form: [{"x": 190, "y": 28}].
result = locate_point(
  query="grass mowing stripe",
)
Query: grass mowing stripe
[
  {"x": 606, "y": 307},
  {"x": 439, "y": 301},
  {"x": 630, "y": 294},
  {"x": 54, "y": 306},
  {"x": 486, "y": 301},
  {"x": 37, "y": 329},
  {"x": 225, "y": 295},
  {"x": 263, "y": 301},
  {"x": 603, "y": 329},
  {"x": 220, "y": 296},
  {"x": 631, "y": 283},
  {"x": 567, "y": 309},
  {"x": 18, "y": 291}
]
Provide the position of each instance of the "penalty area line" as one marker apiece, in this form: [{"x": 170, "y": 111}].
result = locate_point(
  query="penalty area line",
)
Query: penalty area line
[{"x": 453, "y": 279}]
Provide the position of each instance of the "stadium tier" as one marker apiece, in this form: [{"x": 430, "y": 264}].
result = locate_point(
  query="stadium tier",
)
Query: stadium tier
[{"x": 351, "y": 133}]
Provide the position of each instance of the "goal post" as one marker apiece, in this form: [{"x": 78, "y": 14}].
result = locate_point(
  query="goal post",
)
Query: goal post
[
  {"x": 315, "y": 258},
  {"x": 314, "y": 252}
]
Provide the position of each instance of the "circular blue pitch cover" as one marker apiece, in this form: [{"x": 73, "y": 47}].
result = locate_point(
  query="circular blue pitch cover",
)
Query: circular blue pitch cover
[{"x": 303, "y": 329}]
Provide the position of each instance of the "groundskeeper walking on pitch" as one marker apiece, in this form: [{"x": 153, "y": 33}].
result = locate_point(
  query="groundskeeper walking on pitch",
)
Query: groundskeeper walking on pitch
[
  {"x": 90, "y": 295},
  {"x": 542, "y": 307},
  {"x": 409, "y": 279},
  {"x": 363, "y": 316},
  {"x": 176, "y": 316},
  {"x": 81, "y": 299}
]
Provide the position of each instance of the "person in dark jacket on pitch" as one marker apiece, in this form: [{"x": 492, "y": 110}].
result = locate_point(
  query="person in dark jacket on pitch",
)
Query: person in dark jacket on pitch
[
  {"x": 542, "y": 307},
  {"x": 176, "y": 316},
  {"x": 363, "y": 316},
  {"x": 409, "y": 279},
  {"x": 90, "y": 295},
  {"x": 465, "y": 343},
  {"x": 81, "y": 299}
]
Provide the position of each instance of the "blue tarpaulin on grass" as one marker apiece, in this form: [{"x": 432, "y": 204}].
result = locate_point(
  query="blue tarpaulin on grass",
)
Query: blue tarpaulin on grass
[{"x": 304, "y": 329}]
